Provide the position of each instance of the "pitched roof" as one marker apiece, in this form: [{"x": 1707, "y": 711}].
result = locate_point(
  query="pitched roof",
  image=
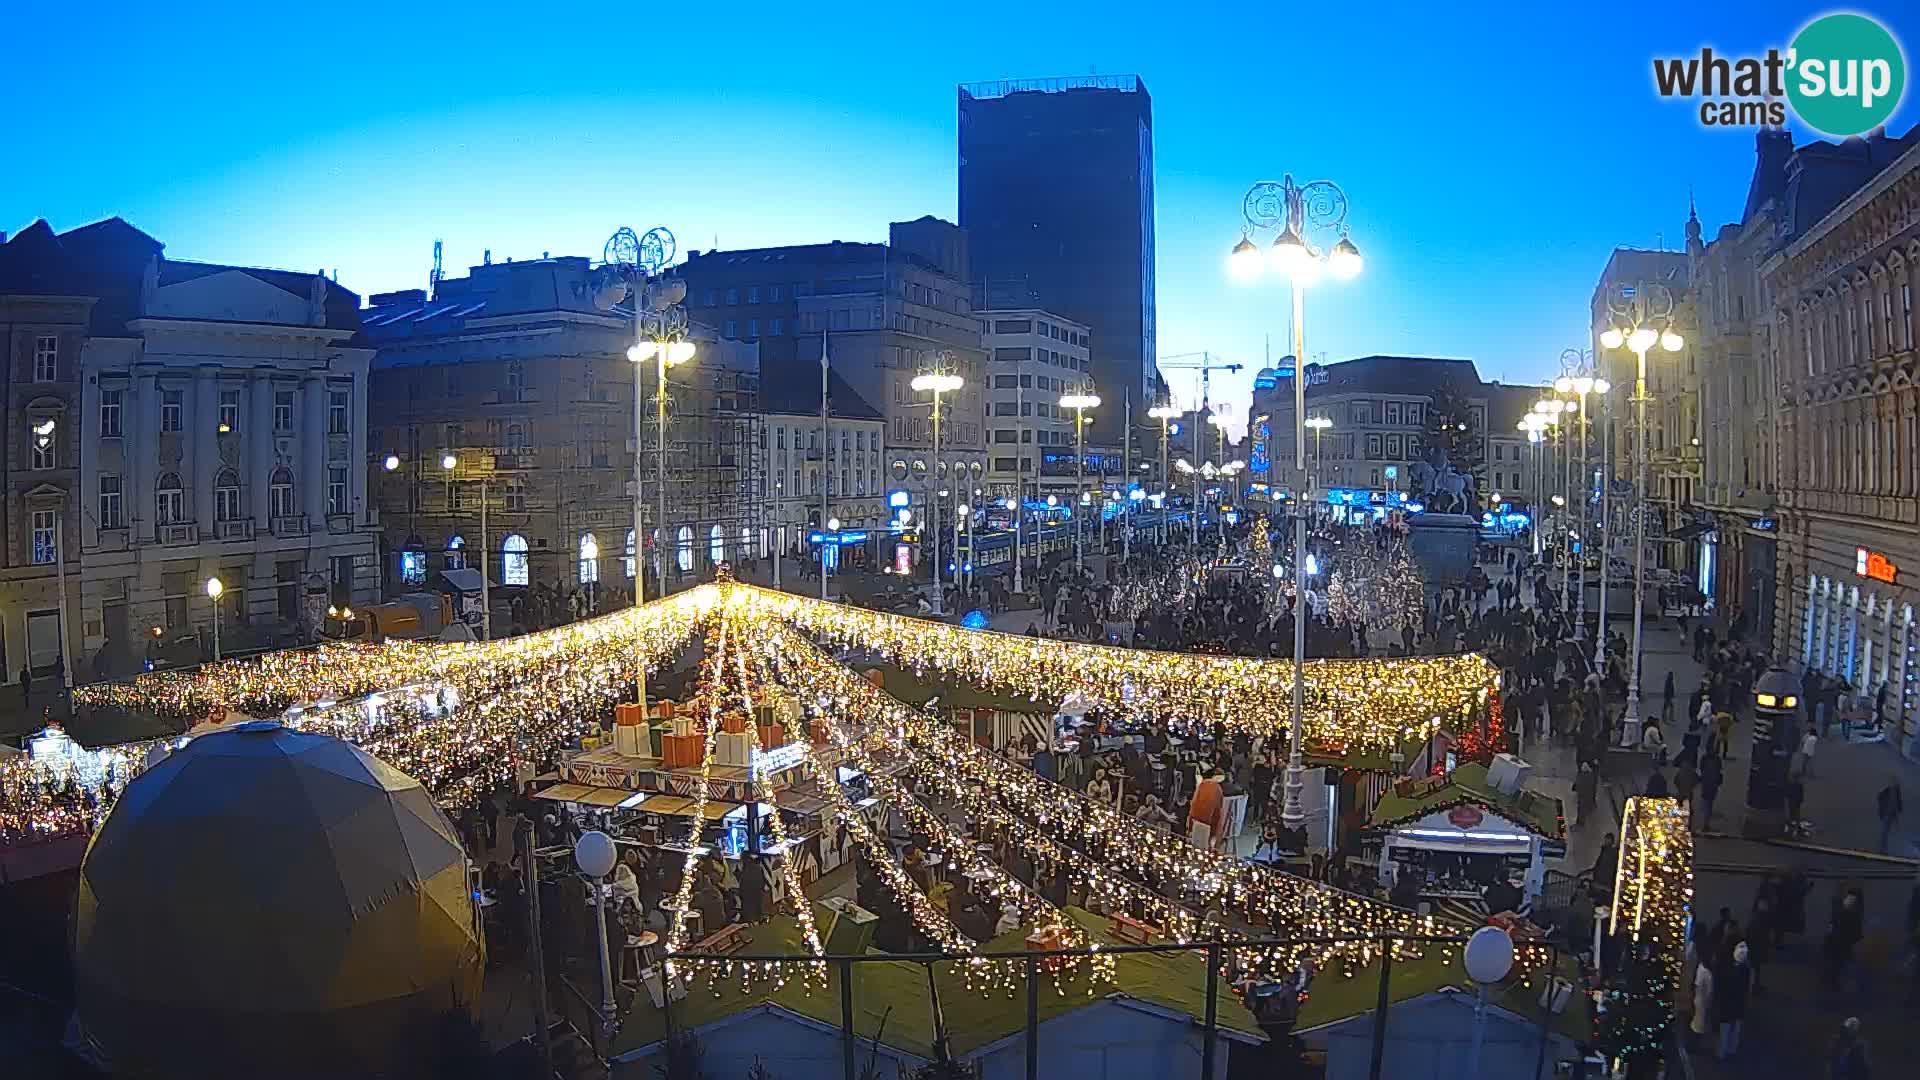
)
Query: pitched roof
[
  {"x": 895, "y": 993},
  {"x": 1395, "y": 375},
  {"x": 1533, "y": 810},
  {"x": 793, "y": 389},
  {"x": 1508, "y": 405},
  {"x": 342, "y": 304}
]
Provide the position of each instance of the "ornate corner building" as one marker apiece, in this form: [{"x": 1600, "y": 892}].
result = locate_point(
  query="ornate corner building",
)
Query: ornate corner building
[{"x": 1843, "y": 345}]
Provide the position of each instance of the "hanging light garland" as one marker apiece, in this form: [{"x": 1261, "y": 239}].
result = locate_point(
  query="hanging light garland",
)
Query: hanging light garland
[{"x": 1368, "y": 704}]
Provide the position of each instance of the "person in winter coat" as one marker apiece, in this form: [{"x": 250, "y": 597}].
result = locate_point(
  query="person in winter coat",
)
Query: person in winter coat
[
  {"x": 1702, "y": 1023},
  {"x": 1844, "y": 929},
  {"x": 1847, "y": 1058},
  {"x": 1730, "y": 988},
  {"x": 1684, "y": 779}
]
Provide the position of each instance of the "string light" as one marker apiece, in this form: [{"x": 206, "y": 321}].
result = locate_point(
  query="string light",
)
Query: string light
[{"x": 1653, "y": 902}]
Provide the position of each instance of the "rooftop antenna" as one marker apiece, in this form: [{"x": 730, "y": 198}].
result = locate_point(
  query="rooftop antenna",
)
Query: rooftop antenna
[{"x": 433, "y": 278}]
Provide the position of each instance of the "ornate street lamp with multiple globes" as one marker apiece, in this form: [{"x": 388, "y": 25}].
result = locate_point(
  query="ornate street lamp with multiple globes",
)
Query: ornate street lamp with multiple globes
[
  {"x": 1300, "y": 215},
  {"x": 1640, "y": 317}
]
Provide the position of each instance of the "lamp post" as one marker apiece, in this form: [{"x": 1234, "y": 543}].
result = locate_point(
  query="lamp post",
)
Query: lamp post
[
  {"x": 1488, "y": 959},
  {"x": 214, "y": 589},
  {"x": 1080, "y": 403},
  {"x": 1318, "y": 208},
  {"x": 1164, "y": 413},
  {"x": 1319, "y": 424},
  {"x": 450, "y": 463},
  {"x": 1017, "y": 504},
  {"x": 628, "y": 272},
  {"x": 1553, "y": 409},
  {"x": 594, "y": 854},
  {"x": 936, "y": 383},
  {"x": 1581, "y": 383},
  {"x": 1641, "y": 317}
]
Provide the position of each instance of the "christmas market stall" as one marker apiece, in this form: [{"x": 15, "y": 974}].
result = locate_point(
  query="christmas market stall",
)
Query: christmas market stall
[{"x": 1476, "y": 835}]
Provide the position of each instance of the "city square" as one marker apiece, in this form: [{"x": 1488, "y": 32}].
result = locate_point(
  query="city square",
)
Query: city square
[{"x": 1148, "y": 611}]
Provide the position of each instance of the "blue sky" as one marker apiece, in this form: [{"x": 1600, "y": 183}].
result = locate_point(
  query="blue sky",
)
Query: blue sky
[{"x": 1492, "y": 159}]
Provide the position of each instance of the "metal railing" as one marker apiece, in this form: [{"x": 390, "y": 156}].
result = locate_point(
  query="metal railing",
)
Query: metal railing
[
  {"x": 1003, "y": 87},
  {"x": 1039, "y": 965}
]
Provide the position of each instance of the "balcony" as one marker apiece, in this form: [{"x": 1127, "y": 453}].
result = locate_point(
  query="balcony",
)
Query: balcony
[
  {"x": 239, "y": 529},
  {"x": 292, "y": 525},
  {"x": 339, "y": 523},
  {"x": 178, "y": 535}
]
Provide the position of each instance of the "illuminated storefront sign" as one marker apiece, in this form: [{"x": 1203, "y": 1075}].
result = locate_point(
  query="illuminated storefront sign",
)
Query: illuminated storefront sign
[{"x": 1873, "y": 564}]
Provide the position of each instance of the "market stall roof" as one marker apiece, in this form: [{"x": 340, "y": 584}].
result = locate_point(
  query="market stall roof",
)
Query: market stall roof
[
  {"x": 1535, "y": 811},
  {"x": 679, "y": 806},
  {"x": 895, "y": 993},
  {"x": 1335, "y": 997},
  {"x": 917, "y": 690}
]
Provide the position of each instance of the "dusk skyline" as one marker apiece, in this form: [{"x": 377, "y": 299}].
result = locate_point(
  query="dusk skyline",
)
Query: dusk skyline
[{"x": 308, "y": 143}]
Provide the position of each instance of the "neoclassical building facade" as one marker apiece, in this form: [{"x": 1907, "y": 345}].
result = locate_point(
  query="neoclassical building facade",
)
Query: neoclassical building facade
[{"x": 1849, "y": 523}]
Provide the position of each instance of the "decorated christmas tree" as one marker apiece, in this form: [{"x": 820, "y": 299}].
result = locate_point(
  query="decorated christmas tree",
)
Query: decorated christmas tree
[
  {"x": 1635, "y": 1013},
  {"x": 1260, "y": 546}
]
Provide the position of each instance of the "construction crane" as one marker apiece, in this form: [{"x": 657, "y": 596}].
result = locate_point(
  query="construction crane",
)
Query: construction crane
[{"x": 1205, "y": 363}]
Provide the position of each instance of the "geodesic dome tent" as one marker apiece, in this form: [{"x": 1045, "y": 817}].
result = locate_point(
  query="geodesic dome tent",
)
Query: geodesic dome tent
[{"x": 268, "y": 902}]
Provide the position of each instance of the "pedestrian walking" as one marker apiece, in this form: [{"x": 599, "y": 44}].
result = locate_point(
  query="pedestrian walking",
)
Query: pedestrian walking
[
  {"x": 1710, "y": 776},
  {"x": 1845, "y": 925},
  {"x": 1702, "y": 1022},
  {"x": 1723, "y": 730},
  {"x": 1889, "y": 805},
  {"x": 1586, "y": 786},
  {"x": 26, "y": 686},
  {"x": 1730, "y": 988},
  {"x": 1685, "y": 777},
  {"x": 1801, "y": 767},
  {"x": 1847, "y": 1057}
]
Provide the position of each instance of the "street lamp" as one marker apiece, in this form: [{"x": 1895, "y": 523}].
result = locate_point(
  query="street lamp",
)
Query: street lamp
[
  {"x": 632, "y": 272},
  {"x": 1640, "y": 317},
  {"x": 214, "y": 589},
  {"x": 1576, "y": 378},
  {"x": 1164, "y": 414},
  {"x": 1299, "y": 213},
  {"x": 391, "y": 463},
  {"x": 1320, "y": 426},
  {"x": 595, "y": 855},
  {"x": 1080, "y": 403},
  {"x": 451, "y": 463},
  {"x": 936, "y": 383}
]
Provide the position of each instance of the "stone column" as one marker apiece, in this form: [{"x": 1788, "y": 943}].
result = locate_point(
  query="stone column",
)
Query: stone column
[
  {"x": 140, "y": 423},
  {"x": 259, "y": 463},
  {"x": 311, "y": 473},
  {"x": 204, "y": 453},
  {"x": 359, "y": 416}
]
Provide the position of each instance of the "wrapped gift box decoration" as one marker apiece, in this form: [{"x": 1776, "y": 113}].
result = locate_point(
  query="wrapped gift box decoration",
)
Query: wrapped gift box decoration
[
  {"x": 1046, "y": 938},
  {"x": 629, "y": 730},
  {"x": 732, "y": 749},
  {"x": 772, "y": 735},
  {"x": 656, "y": 735},
  {"x": 664, "y": 708},
  {"x": 733, "y": 724},
  {"x": 628, "y": 712},
  {"x": 682, "y": 751},
  {"x": 683, "y": 726},
  {"x": 817, "y": 731}
]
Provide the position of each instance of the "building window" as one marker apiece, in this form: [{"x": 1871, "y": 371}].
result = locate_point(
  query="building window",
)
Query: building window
[
  {"x": 109, "y": 414},
  {"x": 716, "y": 545},
  {"x": 685, "y": 557},
  {"x": 629, "y": 559},
  {"x": 753, "y": 329},
  {"x": 337, "y": 490},
  {"x": 776, "y": 327},
  {"x": 516, "y": 380},
  {"x": 280, "y": 493},
  {"x": 773, "y": 294},
  {"x": 169, "y": 501},
  {"x": 589, "y": 559},
  {"x": 1373, "y": 446},
  {"x": 753, "y": 294},
  {"x": 226, "y": 496},
  {"x": 456, "y": 553},
  {"x": 513, "y": 560},
  {"x": 229, "y": 411},
  {"x": 337, "y": 401},
  {"x": 170, "y": 410},
  {"x": 45, "y": 443},
  {"x": 1393, "y": 412},
  {"x": 46, "y": 358},
  {"x": 733, "y": 296},
  {"x": 516, "y": 497},
  {"x": 516, "y": 438},
  {"x": 413, "y": 567},
  {"x": 283, "y": 410},
  {"x": 112, "y": 515},
  {"x": 45, "y": 544},
  {"x": 732, "y": 329}
]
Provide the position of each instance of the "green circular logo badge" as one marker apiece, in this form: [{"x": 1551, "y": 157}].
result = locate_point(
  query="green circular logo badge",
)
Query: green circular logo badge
[{"x": 1846, "y": 74}]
